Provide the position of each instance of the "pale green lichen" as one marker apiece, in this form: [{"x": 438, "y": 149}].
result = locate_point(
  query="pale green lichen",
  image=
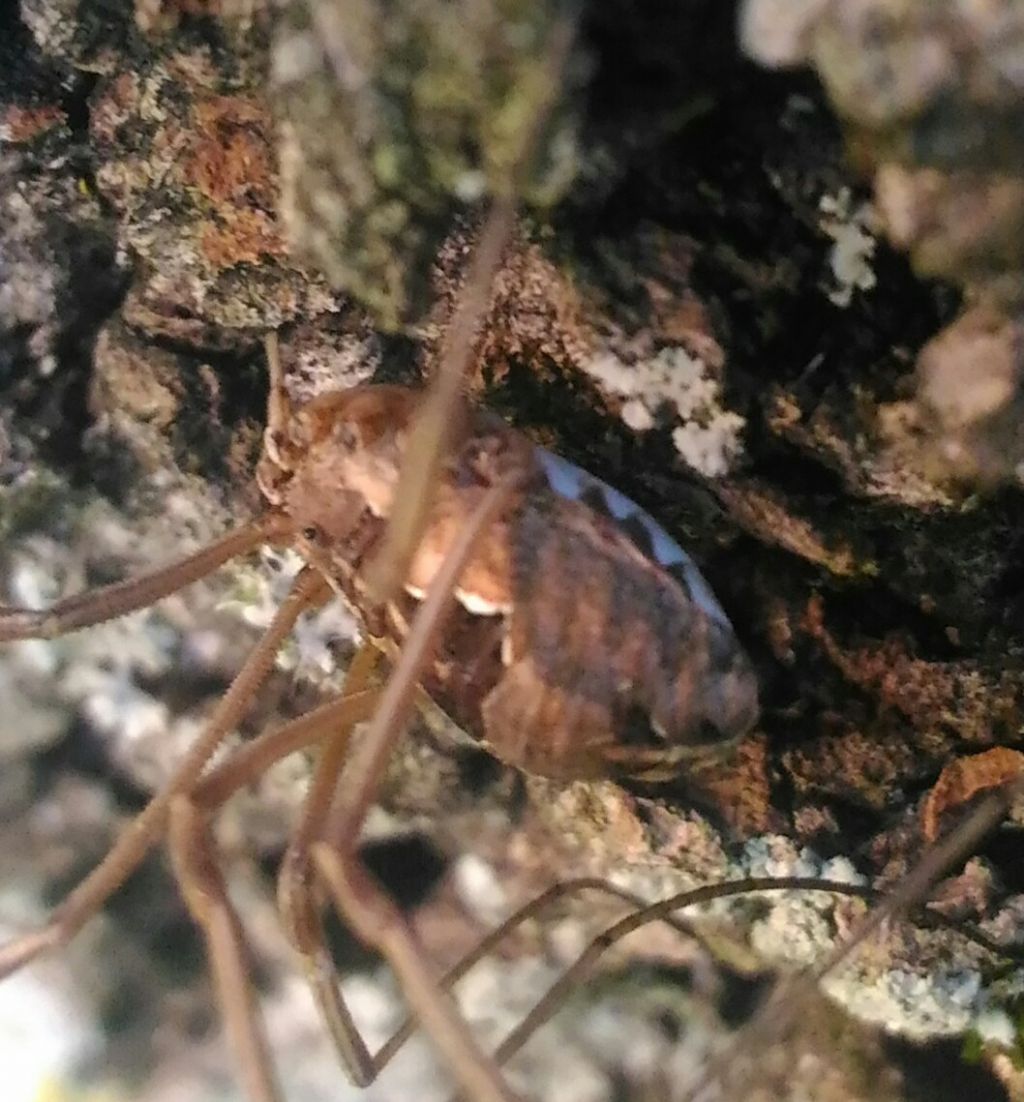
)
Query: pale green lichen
[{"x": 391, "y": 118}]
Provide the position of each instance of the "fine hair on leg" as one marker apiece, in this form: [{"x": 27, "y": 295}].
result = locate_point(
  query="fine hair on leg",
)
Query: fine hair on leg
[{"x": 96, "y": 606}]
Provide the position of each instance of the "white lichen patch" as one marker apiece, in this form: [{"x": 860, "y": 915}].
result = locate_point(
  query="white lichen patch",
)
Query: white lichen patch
[
  {"x": 44, "y": 1033},
  {"x": 256, "y": 593},
  {"x": 852, "y": 229},
  {"x": 918, "y": 1005},
  {"x": 479, "y": 889},
  {"x": 776, "y": 855},
  {"x": 708, "y": 435}
]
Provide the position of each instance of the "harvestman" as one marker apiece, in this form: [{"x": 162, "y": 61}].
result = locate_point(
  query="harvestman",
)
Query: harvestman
[
  {"x": 490, "y": 539},
  {"x": 580, "y": 635},
  {"x": 591, "y": 658}
]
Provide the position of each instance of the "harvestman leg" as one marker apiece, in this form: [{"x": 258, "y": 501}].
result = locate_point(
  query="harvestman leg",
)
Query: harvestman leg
[
  {"x": 99, "y": 605},
  {"x": 299, "y": 905},
  {"x": 140, "y": 835},
  {"x": 193, "y": 857},
  {"x": 661, "y": 911},
  {"x": 365, "y": 905},
  {"x": 202, "y": 885},
  {"x": 208, "y": 902},
  {"x": 527, "y": 911}
]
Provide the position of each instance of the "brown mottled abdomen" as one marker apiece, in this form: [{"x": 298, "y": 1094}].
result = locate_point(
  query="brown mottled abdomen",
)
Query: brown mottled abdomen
[
  {"x": 603, "y": 667},
  {"x": 584, "y": 643}
]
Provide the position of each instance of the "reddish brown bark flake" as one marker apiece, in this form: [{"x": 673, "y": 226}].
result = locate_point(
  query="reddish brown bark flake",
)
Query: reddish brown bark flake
[
  {"x": 22, "y": 124},
  {"x": 965, "y": 778}
]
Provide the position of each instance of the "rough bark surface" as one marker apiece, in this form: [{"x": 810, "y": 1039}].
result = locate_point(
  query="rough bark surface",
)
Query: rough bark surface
[{"x": 782, "y": 309}]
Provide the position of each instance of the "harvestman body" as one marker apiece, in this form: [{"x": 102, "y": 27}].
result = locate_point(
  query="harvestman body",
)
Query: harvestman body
[
  {"x": 582, "y": 642},
  {"x": 586, "y": 644}
]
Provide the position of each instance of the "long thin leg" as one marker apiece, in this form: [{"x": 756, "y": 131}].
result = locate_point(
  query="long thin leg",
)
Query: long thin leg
[
  {"x": 300, "y": 909},
  {"x": 368, "y": 909},
  {"x": 554, "y": 998},
  {"x": 434, "y": 429},
  {"x": 249, "y": 762},
  {"x": 782, "y": 1008},
  {"x": 661, "y": 911},
  {"x": 111, "y": 601},
  {"x": 529, "y": 910},
  {"x": 294, "y": 875},
  {"x": 143, "y": 832},
  {"x": 202, "y": 885}
]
